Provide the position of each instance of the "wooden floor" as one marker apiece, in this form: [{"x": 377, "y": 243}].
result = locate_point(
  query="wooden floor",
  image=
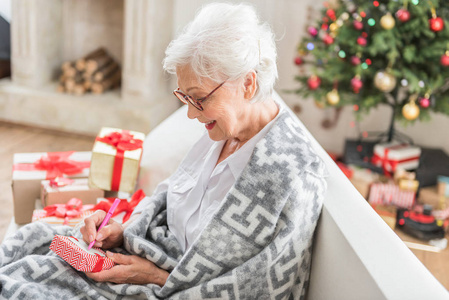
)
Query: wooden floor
[{"x": 16, "y": 138}]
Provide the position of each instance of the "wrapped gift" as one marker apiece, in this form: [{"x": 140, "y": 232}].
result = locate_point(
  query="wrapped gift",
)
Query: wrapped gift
[
  {"x": 115, "y": 160},
  {"x": 60, "y": 190},
  {"x": 443, "y": 186},
  {"x": 391, "y": 156},
  {"x": 69, "y": 214},
  {"x": 390, "y": 194},
  {"x": 429, "y": 195},
  {"x": 29, "y": 169},
  {"x": 362, "y": 179},
  {"x": 77, "y": 254},
  {"x": 408, "y": 185},
  {"x": 124, "y": 209}
]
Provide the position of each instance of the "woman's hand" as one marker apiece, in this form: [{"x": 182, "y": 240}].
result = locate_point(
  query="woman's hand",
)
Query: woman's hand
[
  {"x": 109, "y": 236},
  {"x": 131, "y": 269}
]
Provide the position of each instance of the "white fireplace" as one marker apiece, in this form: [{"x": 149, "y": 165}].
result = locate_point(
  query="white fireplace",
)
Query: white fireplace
[{"x": 46, "y": 33}]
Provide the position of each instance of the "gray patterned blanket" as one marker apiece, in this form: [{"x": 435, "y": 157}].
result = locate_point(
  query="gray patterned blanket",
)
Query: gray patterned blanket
[{"x": 257, "y": 246}]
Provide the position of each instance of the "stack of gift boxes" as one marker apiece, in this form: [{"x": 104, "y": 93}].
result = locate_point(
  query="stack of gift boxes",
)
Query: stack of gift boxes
[
  {"x": 72, "y": 185},
  {"x": 386, "y": 175}
]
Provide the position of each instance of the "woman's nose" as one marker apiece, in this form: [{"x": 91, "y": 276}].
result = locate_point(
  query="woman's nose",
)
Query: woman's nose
[{"x": 192, "y": 112}]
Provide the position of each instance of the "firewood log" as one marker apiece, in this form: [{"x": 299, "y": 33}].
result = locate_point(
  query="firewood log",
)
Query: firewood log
[
  {"x": 70, "y": 71},
  {"x": 70, "y": 82},
  {"x": 79, "y": 89},
  {"x": 109, "y": 82},
  {"x": 105, "y": 72},
  {"x": 81, "y": 63},
  {"x": 97, "y": 63}
]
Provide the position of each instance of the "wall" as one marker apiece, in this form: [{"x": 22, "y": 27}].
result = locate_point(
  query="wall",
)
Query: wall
[
  {"x": 5, "y": 9},
  {"x": 289, "y": 18}
]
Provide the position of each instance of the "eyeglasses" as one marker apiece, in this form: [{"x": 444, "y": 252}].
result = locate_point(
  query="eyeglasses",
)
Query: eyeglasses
[{"x": 195, "y": 102}]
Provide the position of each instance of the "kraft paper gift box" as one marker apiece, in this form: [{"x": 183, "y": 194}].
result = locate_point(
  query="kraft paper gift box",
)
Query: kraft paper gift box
[
  {"x": 392, "y": 156},
  {"x": 75, "y": 252},
  {"x": 29, "y": 169},
  {"x": 60, "y": 190},
  {"x": 116, "y": 159},
  {"x": 429, "y": 195}
]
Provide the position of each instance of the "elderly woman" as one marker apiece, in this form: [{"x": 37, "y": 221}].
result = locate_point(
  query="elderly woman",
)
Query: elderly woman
[{"x": 236, "y": 219}]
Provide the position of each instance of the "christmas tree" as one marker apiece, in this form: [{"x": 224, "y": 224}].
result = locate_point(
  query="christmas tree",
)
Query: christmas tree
[{"x": 365, "y": 53}]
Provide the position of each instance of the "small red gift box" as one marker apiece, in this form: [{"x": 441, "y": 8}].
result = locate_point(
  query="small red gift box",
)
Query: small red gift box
[
  {"x": 69, "y": 214},
  {"x": 75, "y": 252},
  {"x": 116, "y": 159},
  {"x": 392, "y": 156},
  {"x": 30, "y": 169}
]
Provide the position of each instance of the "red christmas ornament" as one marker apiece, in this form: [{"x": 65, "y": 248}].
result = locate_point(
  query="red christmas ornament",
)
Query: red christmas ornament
[
  {"x": 445, "y": 59},
  {"x": 361, "y": 41},
  {"x": 403, "y": 15},
  {"x": 331, "y": 14},
  {"x": 356, "y": 84},
  {"x": 355, "y": 60},
  {"x": 357, "y": 25},
  {"x": 312, "y": 31},
  {"x": 313, "y": 82},
  {"x": 436, "y": 24},
  {"x": 424, "y": 102},
  {"x": 298, "y": 60},
  {"x": 327, "y": 39}
]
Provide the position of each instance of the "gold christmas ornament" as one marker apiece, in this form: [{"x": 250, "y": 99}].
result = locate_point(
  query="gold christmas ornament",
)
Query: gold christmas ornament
[
  {"x": 333, "y": 97},
  {"x": 333, "y": 27},
  {"x": 387, "y": 22},
  {"x": 384, "y": 81},
  {"x": 410, "y": 111}
]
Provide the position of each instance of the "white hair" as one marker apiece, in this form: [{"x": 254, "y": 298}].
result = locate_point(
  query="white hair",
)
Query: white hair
[{"x": 226, "y": 42}]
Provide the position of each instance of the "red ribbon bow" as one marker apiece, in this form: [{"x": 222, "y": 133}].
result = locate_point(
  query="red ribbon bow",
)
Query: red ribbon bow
[
  {"x": 122, "y": 141},
  {"x": 124, "y": 205},
  {"x": 56, "y": 164},
  {"x": 72, "y": 209}
]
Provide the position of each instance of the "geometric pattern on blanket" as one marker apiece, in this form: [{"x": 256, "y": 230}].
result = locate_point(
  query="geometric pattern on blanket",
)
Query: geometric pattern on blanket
[{"x": 257, "y": 246}]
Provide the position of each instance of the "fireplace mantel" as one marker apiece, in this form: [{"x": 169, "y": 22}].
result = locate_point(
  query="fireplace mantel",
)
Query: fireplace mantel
[{"x": 41, "y": 41}]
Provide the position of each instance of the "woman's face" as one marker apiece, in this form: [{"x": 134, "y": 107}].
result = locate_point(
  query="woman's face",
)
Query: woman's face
[{"x": 223, "y": 111}]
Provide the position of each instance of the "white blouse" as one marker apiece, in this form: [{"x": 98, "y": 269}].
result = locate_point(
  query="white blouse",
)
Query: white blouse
[{"x": 196, "y": 189}]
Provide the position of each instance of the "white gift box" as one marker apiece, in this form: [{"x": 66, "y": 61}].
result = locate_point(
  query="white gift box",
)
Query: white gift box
[{"x": 393, "y": 156}]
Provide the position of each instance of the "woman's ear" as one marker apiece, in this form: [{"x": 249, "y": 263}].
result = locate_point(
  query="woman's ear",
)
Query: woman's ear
[{"x": 250, "y": 85}]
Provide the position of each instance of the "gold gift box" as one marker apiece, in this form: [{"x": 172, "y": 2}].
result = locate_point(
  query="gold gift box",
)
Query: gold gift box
[{"x": 103, "y": 159}]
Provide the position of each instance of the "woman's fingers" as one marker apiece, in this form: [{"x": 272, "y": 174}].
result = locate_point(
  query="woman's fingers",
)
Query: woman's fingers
[{"x": 91, "y": 223}]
